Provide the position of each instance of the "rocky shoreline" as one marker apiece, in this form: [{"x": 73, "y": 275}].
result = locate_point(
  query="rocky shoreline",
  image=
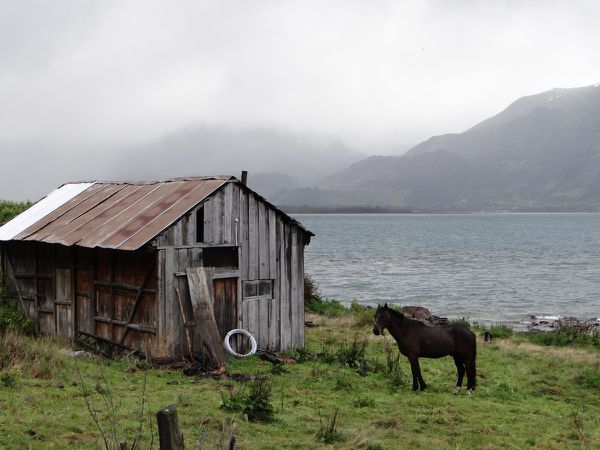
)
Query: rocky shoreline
[{"x": 544, "y": 324}]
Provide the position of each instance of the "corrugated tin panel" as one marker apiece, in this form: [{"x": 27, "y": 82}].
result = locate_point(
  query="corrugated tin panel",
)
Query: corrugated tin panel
[
  {"x": 112, "y": 215},
  {"x": 41, "y": 209}
]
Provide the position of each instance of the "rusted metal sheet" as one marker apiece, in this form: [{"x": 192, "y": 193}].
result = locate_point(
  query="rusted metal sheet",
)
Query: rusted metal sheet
[{"x": 116, "y": 215}]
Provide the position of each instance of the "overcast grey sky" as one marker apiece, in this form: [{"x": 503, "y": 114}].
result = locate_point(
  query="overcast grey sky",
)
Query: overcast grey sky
[{"x": 378, "y": 75}]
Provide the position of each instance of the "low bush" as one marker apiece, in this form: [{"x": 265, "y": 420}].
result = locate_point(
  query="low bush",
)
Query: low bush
[
  {"x": 363, "y": 315},
  {"x": 10, "y": 377},
  {"x": 311, "y": 289},
  {"x": 462, "y": 321},
  {"x": 254, "y": 401},
  {"x": 561, "y": 338},
  {"x": 9, "y": 209},
  {"x": 11, "y": 319},
  {"x": 500, "y": 331},
  {"x": 329, "y": 308}
]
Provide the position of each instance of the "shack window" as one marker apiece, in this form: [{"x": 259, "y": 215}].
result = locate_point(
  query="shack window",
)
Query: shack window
[
  {"x": 258, "y": 289},
  {"x": 200, "y": 224},
  {"x": 220, "y": 257}
]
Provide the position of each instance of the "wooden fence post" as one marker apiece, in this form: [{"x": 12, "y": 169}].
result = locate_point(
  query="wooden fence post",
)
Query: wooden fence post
[{"x": 169, "y": 435}]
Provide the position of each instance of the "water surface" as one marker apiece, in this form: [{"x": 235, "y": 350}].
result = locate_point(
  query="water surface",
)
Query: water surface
[{"x": 486, "y": 267}]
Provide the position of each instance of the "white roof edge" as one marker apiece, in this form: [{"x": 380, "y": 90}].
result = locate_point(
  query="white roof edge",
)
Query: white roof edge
[{"x": 41, "y": 209}]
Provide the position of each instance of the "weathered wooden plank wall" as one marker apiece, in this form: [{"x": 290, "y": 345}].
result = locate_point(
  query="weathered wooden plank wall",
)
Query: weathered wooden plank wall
[{"x": 269, "y": 248}]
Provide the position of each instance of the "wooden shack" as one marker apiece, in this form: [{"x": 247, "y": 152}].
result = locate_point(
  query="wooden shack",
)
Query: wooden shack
[{"x": 111, "y": 260}]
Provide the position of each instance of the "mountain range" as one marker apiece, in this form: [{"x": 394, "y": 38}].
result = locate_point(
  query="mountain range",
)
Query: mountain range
[{"x": 542, "y": 153}]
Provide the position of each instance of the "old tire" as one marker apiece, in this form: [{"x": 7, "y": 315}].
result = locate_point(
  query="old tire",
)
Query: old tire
[{"x": 243, "y": 333}]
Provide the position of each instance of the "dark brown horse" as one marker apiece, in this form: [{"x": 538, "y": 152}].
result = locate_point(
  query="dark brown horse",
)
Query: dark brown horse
[{"x": 416, "y": 340}]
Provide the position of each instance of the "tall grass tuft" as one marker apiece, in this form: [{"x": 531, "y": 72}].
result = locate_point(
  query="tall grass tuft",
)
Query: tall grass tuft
[
  {"x": 37, "y": 358},
  {"x": 393, "y": 370},
  {"x": 254, "y": 401},
  {"x": 328, "y": 433},
  {"x": 353, "y": 354}
]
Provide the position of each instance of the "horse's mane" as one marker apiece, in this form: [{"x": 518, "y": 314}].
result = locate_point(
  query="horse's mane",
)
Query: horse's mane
[
  {"x": 395, "y": 313},
  {"x": 404, "y": 317}
]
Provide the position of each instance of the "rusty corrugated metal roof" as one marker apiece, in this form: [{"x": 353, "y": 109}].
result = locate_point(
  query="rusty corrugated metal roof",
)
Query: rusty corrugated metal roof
[{"x": 120, "y": 215}]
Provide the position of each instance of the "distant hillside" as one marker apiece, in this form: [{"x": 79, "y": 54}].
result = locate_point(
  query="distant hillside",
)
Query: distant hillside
[
  {"x": 540, "y": 153},
  {"x": 266, "y": 153}
]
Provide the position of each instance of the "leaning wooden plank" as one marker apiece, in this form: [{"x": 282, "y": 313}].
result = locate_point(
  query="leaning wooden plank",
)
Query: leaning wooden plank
[{"x": 204, "y": 315}]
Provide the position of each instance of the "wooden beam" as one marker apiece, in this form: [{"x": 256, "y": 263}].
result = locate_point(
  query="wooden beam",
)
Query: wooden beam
[{"x": 122, "y": 286}]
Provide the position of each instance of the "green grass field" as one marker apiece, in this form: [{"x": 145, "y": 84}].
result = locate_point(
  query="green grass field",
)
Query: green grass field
[{"x": 528, "y": 396}]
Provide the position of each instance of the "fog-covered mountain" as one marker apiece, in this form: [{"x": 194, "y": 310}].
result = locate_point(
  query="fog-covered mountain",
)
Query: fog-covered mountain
[
  {"x": 274, "y": 158},
  {"x": 540, "y": 153}
]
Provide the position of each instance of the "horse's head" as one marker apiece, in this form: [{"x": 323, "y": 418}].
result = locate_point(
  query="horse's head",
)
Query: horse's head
[{"x": 382, "y": 319}]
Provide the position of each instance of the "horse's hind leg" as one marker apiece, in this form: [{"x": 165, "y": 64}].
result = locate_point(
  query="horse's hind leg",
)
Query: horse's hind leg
[
  {"x": 471, "y": 381},
  {"x": 418, "y": 381},
  {"x": 460, "y": 370}
]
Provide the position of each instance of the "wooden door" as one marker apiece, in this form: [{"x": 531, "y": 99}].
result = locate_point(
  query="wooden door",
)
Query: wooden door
[
  {"x": 225, "y": 304},
  {"x": 64, "y": 303}
]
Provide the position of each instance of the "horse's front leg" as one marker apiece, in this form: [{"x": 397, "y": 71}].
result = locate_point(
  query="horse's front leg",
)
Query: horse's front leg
[{"x": 416, "y": 374}]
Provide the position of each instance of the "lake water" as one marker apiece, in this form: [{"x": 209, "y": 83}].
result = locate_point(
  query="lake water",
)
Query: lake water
[{"x": 485, "y": 267}]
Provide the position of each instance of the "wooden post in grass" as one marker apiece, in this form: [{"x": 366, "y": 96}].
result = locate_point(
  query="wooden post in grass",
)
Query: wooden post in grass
[{"x": 169, "y": 435}]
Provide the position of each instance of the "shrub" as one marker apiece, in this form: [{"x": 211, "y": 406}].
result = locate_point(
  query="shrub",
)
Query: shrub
[
  {"x": 255, "y": 401},
  {"x": 10, "y": 377},
  {"x": 310, "y": 289},
  {"x": 564, "y": 337},
  {"x": 501, "y": 331},
  {"x": 330, "y": 308},
  {"x": 462, "y": 321},
  {"x": 9, "y": 209},
  {"x": 362, "y": 314},
  {"x": 11, "y": 319}
]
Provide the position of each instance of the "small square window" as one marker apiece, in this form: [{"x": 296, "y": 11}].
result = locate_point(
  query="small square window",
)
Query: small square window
[
  {"x": 265, "y": 288},
  {"x": 258, "y": 289},
  {"x": 250, "y": 289}
]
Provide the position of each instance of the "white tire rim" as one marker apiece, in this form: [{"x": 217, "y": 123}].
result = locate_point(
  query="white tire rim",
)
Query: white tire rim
[{"x": 231, "y": 351}]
